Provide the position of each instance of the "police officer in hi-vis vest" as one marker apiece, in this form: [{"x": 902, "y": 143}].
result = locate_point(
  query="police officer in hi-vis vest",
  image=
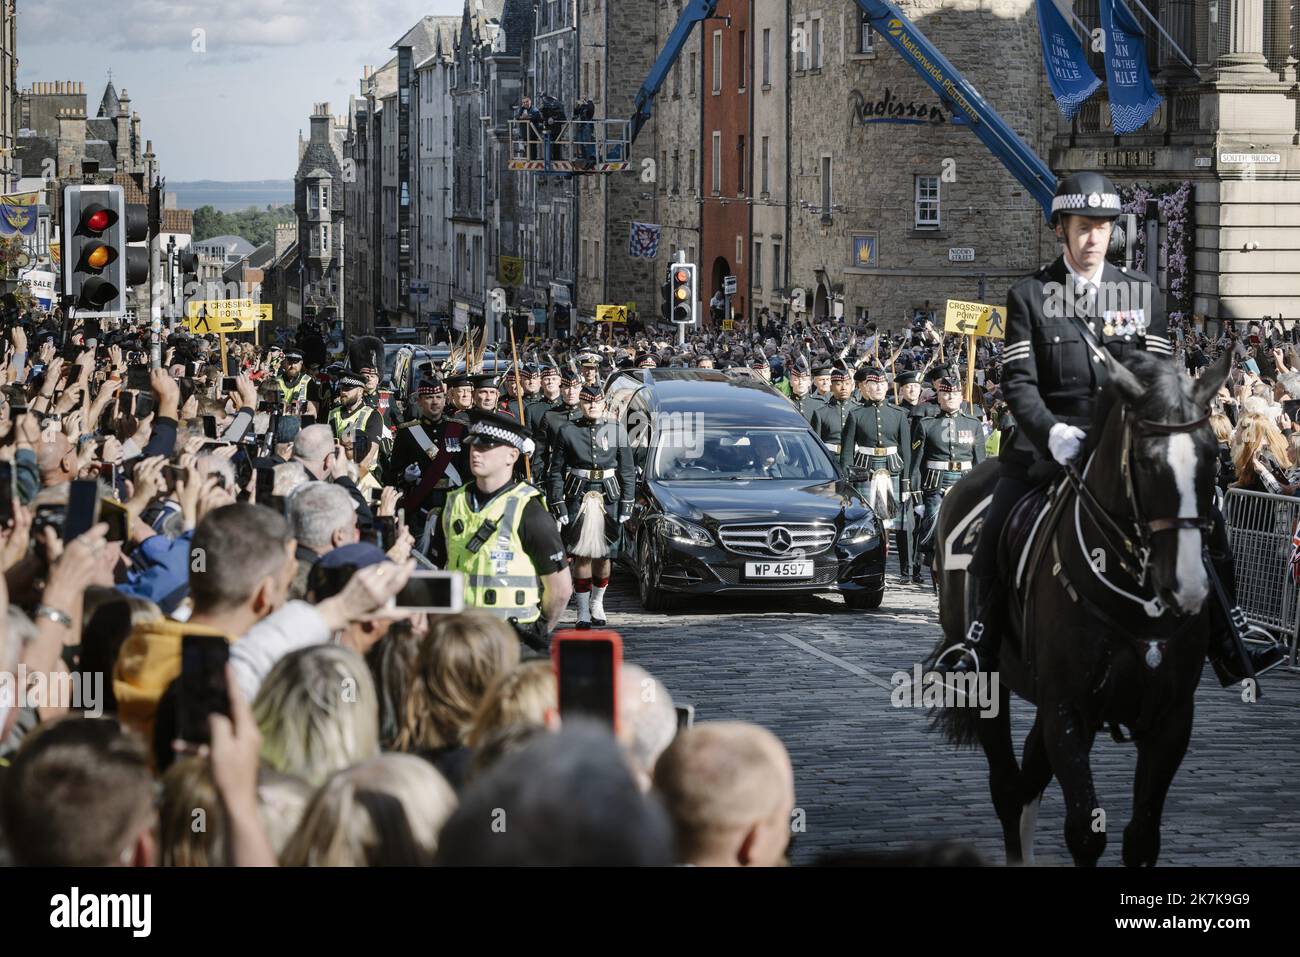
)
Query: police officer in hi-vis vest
[
  {"x": 292, "y": 382},
  {"x": 351, "y": 419},
  {"x": 496, "y": 530}
]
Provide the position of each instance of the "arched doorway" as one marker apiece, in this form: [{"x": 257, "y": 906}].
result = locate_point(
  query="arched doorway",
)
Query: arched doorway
[{"x": 821, "y": 303}]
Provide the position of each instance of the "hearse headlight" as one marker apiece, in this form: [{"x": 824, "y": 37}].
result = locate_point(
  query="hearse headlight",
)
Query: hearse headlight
[
  {"x": 685, "y": 532},
  {"x": 863, "y": 530}
]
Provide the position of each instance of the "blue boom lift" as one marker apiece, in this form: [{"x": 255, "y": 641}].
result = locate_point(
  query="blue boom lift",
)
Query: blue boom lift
[{"x": 587, "y": 145}]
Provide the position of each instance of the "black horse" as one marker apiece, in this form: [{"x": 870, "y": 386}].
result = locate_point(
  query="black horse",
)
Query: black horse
[{"x": 1109, "y": 621}]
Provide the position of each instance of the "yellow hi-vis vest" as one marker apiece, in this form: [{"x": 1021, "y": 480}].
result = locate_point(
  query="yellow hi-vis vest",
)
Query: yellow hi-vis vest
[
  {"x": 499, "y": 575},
  {"x": 293, "y": 393},
  {"x": 341, "y": 421}
]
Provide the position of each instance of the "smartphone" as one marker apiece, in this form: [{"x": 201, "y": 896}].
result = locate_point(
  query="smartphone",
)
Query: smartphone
[
  {"x": 8, "y": 492},
  {"x": 308, "y": 420},
  {"x": 1251, "y": 366},
  {"x": 144, "y": 404},
  {"x": 108, "y": 472},
  {"x": 265, "y": 484},
  {"x": 587, "y": 665},
  {"x": 137, "y": 378},
  {"x": 83, "y": 508},
  {"x": 203, "y": 690},
  {"x": 196, "y": 369},
  {"x": 685, "y": 716},
  {"x": 125, "y": 402},
  {"x": 229, "y": 384},
  {"x": 119, "y": 521},
  {"x": 210, "y": 426},
  {"x": 360, "y": 447},
  {"x": 434, "y": 592}
]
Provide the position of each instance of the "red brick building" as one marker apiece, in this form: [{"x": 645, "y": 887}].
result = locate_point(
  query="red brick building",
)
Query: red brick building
[{"x": 725, "y": 152}]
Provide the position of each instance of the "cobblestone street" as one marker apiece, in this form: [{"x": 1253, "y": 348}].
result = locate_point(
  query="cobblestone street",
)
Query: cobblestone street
[{"x": 870, "y": 776}]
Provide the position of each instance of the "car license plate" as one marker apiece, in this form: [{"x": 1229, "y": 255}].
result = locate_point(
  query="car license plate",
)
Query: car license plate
[{"x": 778, "y": 569}]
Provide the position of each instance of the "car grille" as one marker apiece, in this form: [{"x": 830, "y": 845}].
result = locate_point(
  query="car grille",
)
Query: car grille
[
  {"x": 752, "y": 539},
  {"x": 822, "y": 575}
]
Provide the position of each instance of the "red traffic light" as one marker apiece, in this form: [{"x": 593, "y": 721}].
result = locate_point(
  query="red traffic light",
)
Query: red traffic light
[
  {"x": 681, "y": 275},
  {"x": 95, "y": 219}
]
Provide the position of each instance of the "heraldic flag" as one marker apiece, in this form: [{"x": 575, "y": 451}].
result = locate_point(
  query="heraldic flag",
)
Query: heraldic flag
[
  {"x": 18, "y": 214},
  {"x": 644, "y": 240}
]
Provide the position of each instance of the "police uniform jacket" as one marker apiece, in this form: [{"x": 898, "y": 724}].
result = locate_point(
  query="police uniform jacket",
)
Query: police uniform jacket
[
  {"x": 877, "y": 425},
  {"x": 1049, "y": 373},
  {"x": 948, "y": 438}
]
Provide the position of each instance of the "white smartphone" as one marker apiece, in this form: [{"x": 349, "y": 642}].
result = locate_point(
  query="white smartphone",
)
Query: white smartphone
[{"x": 433, "y": 592}]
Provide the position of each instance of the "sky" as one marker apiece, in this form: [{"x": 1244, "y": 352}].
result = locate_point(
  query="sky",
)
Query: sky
[{"x": 223, "y": 86}]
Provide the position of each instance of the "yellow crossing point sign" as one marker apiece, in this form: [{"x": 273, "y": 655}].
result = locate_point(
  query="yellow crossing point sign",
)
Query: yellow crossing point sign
[
  {"x": 975, "y": 319},
  {"x": 264, "y": 313},
  {"x": 611, "y": 313},
  {"x": 220, "y": 315}
]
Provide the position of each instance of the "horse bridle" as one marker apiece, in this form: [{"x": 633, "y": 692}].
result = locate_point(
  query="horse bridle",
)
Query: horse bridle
[{"x": 1133, "y": 545}]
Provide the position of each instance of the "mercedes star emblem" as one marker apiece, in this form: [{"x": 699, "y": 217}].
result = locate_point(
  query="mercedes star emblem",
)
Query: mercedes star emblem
[{"x": 779, "y": 540}]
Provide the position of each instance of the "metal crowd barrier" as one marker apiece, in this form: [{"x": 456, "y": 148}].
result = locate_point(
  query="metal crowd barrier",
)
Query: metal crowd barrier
[{"x": 1260, "y": 528}]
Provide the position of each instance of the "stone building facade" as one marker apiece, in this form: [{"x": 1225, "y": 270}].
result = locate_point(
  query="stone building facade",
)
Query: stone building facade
[
  {"x": 618, "y": 43},
  {"x": 362, "y": 189},
  {"x": 1232, "y": 134},
  {"x": 549, "y": 214},
  {"x": 883, "y": 184},
  {"x": 769, "y": 210},
  {"x": 433, "y": 174},
  {"x": 677, "y": 113}
]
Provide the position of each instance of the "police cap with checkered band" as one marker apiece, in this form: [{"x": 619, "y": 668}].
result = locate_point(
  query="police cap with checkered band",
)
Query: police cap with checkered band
[{"x": 1086, "y": 194}]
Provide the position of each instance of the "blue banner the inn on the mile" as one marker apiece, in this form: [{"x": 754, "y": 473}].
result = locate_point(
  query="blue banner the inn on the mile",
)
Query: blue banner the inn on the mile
[
  {"x": 1068, "y": 73},
  {"x": 1133, "y": 99}
]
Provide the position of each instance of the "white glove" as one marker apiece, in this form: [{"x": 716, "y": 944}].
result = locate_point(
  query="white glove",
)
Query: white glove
[
  {"x": 563, "y": 520},
  {"x": 1065, "y": 442},
  {"x": 920, "y": 510},
  {"x": 412, "y": 473}
]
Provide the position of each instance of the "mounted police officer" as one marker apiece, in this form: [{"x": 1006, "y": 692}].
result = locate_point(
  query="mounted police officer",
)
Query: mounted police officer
[
  {"x": 878, "y": 437},
  {"x": 429, "y": 456},
  {"x": 944, "y": 448},
  {"x": 801, "y": 396},
  {"x": 828, "y": 421},
  {"x": 1058, "y": 320},
  {"x": 592, "y": 484}
]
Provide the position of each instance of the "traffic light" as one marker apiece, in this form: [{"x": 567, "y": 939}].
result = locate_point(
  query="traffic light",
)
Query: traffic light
[
  {"x": 99, "y": 265},
  {"x": 682, "y": 284},
  {"x": 665, "y": 300}
]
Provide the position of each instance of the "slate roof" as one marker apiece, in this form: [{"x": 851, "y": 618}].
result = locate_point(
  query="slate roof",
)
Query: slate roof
[{"x": 110, "y": 104}]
